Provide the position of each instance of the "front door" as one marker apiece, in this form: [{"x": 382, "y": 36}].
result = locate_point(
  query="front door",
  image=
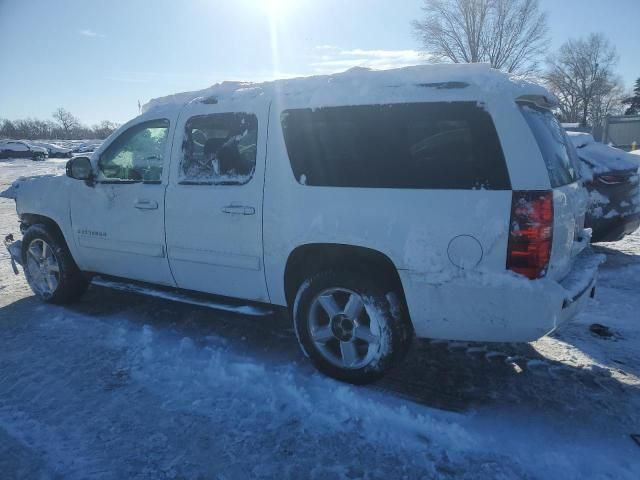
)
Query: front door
[
  {"x": 214, "y": 201},
  {"x": 118, "y": 223}
]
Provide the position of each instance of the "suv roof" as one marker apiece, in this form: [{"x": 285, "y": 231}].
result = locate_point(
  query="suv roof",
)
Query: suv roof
[{"x": 382, "y": 86}]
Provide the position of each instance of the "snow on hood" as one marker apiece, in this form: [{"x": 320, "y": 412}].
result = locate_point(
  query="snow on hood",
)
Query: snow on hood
[
  {"x": 365, "y": 84},
  {"x": 14, "y": 188},
  {"x": 12, "y": 191},
  {"x": 600, "y": 157}
]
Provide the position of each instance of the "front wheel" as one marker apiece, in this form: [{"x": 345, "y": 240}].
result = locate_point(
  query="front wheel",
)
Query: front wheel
[
  {"x": 51, "y": 272},
  {"x": 352, "y": 328}
]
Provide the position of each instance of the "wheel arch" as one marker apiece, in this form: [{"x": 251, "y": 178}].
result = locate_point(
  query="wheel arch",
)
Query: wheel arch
[
  {"x": 307, "y": 259},
  {"x": 71, "y": 281},
  {"x": 29, "y": 219}
]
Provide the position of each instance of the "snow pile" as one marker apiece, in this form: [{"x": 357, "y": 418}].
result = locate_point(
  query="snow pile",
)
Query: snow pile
[
  {"x": 362, "y": 84},
  {"x": 601, "y": 158},
  {"x": 596, "y": 198},
  {"x": 276, "y": 396}
]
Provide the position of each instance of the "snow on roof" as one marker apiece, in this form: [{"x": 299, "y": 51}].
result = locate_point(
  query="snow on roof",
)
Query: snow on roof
[{"x": 363, "y": 84}]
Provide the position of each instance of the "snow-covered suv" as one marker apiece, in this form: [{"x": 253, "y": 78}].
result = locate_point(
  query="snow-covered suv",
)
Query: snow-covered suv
[{"x": 437, "y": 201}]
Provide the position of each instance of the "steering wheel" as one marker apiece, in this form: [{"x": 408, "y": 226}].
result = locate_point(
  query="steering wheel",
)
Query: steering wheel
[{"x": 199, "y": 137}]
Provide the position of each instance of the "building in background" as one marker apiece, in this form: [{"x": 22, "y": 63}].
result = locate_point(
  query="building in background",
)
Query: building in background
[{"x": 622, "y": 131}]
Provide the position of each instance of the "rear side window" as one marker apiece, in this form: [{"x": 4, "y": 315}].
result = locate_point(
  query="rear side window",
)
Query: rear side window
[
  {"x": 419, "y": 145},
  {"x": 17, "y": 147},
  {"x": 557, "y": 151}
]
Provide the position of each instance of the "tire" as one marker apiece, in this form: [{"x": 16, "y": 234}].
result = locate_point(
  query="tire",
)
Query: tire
[
  {"x": 49, "y": 268},
  {"x": 351, "y": 341}
]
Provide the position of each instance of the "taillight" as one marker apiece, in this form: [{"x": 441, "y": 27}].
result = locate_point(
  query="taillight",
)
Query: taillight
[
  {"x": 530, "y": 233},
  {"x": 612, "y": 179}
]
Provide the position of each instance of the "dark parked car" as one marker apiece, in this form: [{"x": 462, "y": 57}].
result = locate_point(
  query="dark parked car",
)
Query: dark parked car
[
  {"x": 20, "y": 149},
  {"x": 614, "y": 188}
]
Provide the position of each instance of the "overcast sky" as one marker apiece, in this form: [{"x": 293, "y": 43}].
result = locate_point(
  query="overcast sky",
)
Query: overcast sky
[{"x": 98, "y": 58}]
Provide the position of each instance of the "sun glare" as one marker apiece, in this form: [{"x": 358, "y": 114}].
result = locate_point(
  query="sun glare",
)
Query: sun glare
[{"x": 276, "y": 8}]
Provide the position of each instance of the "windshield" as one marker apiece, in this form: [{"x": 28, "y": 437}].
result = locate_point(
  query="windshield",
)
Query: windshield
[{"x": 557, "y": 151}]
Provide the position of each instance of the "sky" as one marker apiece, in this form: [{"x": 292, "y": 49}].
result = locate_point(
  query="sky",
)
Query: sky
[{"x": 97, "y": 58}]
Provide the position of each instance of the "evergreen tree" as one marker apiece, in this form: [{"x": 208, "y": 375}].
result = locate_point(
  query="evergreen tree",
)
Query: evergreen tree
[{"x": 633, "y": 102}]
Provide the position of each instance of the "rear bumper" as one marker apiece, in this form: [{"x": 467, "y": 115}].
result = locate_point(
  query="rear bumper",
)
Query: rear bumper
[
  {"x": 498, "y": 307},
  {"x": 613, "y": 229}
]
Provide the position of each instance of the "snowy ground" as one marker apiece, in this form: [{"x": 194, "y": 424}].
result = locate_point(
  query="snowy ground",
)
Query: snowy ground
[{"x": 124, "y": 386}]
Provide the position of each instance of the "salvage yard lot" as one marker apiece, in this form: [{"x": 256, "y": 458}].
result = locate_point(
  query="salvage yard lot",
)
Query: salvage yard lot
[{"x": 124, "y": 386}]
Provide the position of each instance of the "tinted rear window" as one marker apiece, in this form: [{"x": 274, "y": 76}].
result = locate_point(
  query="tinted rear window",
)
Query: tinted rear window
[
  {"x": 557, "y": 151},
  {"x": 421, "y": 145}
]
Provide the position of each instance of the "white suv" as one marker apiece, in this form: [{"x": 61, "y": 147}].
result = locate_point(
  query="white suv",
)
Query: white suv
[{"x": 437, "y": 201}]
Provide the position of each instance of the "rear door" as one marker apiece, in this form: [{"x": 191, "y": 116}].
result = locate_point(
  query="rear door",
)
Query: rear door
[
  {"x": 214, "y": 200},
  {"x": 570, "y": 198}
]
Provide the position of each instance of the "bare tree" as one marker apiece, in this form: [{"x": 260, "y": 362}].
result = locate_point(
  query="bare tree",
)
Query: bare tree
[
  {"x": 581, "y": 73},
  {"x": 35, "y": 129},
  {"x": 568, "y": 96},
  {"x": 611, "y": 102},
  {"x": 508, "y": 34},
  {"x": 68, "y": 122},
  {"x": 7, "y": 129},
  {"x": 104, "y": 129}
]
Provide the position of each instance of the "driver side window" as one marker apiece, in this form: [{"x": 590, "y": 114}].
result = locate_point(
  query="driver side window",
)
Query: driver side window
[{"x": 137, "y": 155}]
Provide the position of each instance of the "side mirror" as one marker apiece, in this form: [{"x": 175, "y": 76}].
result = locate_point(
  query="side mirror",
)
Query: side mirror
[{"x": 80, "y": 169}]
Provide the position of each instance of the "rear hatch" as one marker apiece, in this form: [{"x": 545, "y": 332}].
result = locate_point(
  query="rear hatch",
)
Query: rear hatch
[{"x": 570, "y": 198}]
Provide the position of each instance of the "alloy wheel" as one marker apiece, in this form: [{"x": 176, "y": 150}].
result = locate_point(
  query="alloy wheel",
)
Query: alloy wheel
[
  {"x": 342, "y": 329},
  {"x": 43, "y": 268}
]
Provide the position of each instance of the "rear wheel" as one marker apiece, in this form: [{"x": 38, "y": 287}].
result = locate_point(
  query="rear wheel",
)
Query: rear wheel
[
  {"x": 49, "y": 268},
  {"x": 350, "y": 327}
]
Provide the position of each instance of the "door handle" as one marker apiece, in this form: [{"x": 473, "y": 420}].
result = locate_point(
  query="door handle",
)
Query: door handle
[
  {"x": 146, "y": 205},
  {"x": 239, "y": 210}
]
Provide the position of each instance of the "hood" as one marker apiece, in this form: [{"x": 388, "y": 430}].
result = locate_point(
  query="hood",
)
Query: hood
[{"x": 13, "y": 191}]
